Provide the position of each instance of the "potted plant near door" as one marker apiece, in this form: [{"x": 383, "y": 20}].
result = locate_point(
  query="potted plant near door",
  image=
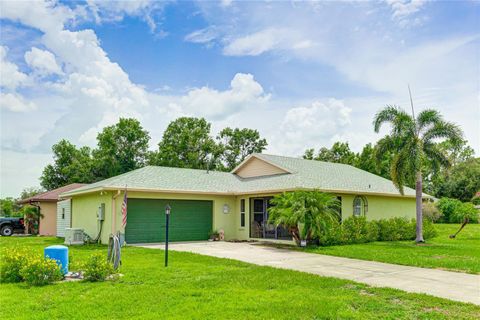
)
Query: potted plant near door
[{"x": 214, "y": 235}]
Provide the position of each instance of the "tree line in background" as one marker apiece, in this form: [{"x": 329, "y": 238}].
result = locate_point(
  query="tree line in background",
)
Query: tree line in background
[
  {"x": 186, "y": 143},
  {"x": 460, "y": 180}
]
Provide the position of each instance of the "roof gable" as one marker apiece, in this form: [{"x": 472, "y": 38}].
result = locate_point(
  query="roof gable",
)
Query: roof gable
[
  {"x": 255, "y": 166},
  {"x": 52, "y": 195}
]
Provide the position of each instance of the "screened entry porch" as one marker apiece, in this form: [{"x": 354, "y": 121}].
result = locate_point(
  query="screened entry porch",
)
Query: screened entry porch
[{"x": 260, "y": 228}]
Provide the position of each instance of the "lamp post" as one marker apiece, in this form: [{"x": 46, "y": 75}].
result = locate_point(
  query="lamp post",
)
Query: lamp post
[{"x": 167, "y": 218}]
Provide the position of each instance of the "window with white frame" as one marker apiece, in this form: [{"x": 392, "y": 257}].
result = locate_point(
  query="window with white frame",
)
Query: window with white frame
[{"x": 357, "y": 206}]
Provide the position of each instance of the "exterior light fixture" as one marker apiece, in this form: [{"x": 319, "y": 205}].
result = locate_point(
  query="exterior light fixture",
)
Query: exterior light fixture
[{"x": 226, "y": 208}]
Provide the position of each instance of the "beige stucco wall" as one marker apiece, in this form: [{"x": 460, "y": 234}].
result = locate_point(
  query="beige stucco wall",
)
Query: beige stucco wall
[
  {"x": 84, "y": 213},
  {"x": 379, "y": 207},
  {"x": 84, "y": 210},
  {"x": 48, "y": 223}
]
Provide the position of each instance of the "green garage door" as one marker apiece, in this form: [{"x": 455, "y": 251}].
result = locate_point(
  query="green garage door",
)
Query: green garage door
[{"x": 190, "y": 220}]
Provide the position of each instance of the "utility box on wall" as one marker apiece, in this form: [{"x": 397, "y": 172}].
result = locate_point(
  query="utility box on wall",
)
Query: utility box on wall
[{"x": 101, "y": 212}]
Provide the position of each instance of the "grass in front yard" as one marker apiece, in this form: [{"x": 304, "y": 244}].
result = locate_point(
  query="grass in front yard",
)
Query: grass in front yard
[
  {"x": 201, "y": 287},
  {"x": 460, "y": 254}
]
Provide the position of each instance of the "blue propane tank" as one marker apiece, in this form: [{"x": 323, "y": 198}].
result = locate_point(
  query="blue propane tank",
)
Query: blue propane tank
[{"x": 59, "y": 254}]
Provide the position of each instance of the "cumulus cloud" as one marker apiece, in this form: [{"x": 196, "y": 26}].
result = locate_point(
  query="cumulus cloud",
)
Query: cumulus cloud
[
  {"x": 244, "y": 92},
  {"x": 11, "y": 76},
  {"x": 93, "y": 84},
  {"x": 42, "y": 61},
  {"x": 313, "y": 125},
  {"x": 43, "y": 15},
  {"x": 15, "y": 102}
]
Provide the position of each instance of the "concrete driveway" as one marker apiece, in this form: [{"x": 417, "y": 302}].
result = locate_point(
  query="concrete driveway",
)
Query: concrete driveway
[{"x": 451, "y": 285}]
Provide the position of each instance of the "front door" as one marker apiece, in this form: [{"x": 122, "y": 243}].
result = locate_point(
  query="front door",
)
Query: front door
[{"x": 260, "y": 226}]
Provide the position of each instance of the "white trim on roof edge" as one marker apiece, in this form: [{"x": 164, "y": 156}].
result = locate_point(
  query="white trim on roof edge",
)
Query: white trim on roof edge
[{"x": 231, "y": 193}]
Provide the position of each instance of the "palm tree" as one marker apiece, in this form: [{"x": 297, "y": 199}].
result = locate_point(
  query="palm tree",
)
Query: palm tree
[
  {"x": 304, "y": 213},
  {"x": 414, "y": 141}
]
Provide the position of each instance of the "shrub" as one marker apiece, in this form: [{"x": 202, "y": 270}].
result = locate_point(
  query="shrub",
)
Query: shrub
[
  {"x": 373, "y": 231},
  {"x": 354, "y": 230},
  {"x": 331, "y": 234},
  {"x": 13, "y": 261},
  {"x": 429, "y": 230},
  {"x": 476, "y": 199},
  {"x": 395, "y": 229},
  {"x": 465, "y": 211},
  {"x": 448, "y": 207},
  {"x": 97, "y": 268},
  {"x": 431, "y": 212},
  {"x": 454, "y": 211},
  {"x": 359, "y": 230},
  {"x": 39, "y": 271}
]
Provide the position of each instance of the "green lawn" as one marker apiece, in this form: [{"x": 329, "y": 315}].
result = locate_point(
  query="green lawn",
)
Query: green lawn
[
  {"x": 201, "y": 287},
  {"x": 460, "y": 254}
]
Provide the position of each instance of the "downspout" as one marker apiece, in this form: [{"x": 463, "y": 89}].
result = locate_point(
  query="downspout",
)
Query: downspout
[{"x": 114, "y": 211}]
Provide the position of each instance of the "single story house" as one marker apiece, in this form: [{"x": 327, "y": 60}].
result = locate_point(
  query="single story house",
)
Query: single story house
[
  {"x": 54, "y": 209},
  {"x": 235, "y": 202}
]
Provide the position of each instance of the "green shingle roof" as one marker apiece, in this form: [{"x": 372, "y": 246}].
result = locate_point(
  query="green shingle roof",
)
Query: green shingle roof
[{"x": 305, "y": 174}]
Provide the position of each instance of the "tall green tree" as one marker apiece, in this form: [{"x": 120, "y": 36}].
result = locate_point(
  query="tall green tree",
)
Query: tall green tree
[
  {"x": 30, "y": 192},
  {"x": 8, "y": 207},
  {"x": 236, "y": 144},
  {"x": 69, "y": 165},
  {"x": 121, "y": 148},
  {"x": 366, "y": 160},
  {"x": 436, "y": 177},
  {"x": 186, "y": 143},
  {"x": 339, "y": 153},
  {"x": 412, "y": 141},
  {"x": 461, "y": 182},
  {"x": 304, "y": 213}
]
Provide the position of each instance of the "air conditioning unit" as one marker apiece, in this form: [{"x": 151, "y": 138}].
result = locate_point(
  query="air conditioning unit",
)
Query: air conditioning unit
[{"x": 74, "y": 236}]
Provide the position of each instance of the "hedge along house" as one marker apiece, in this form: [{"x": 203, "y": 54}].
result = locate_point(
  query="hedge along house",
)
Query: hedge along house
[
  {"x": 53, "y": 208},
  {"x": 236, "y": 202}
]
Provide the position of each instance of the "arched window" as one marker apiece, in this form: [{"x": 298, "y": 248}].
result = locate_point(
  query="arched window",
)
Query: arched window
[{"x": 360, "y": 206}]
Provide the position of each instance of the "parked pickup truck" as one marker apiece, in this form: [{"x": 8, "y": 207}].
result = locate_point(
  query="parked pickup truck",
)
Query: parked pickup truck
[{"x": 9, "y": 226}]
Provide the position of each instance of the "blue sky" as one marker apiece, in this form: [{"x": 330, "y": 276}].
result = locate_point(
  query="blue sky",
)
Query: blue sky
[{"x": 305, "y": 74}]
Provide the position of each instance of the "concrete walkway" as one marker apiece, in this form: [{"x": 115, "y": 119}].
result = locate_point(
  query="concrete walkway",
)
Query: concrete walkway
[{"x": 451, "y": 285}]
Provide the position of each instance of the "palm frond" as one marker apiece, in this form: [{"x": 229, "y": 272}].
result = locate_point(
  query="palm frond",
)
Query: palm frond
[
  {"x": 396, "y": 169},
  {"x": 383, "y": 146},
  {"x": 428, "y": 117},
  {"x": 403, "y": 168},
  {"x": 443, "y": 130},
  {"x": 404, "y": 125},
  {"x": 387, "y": 114},
  {"x": 435, "y": 156}
]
